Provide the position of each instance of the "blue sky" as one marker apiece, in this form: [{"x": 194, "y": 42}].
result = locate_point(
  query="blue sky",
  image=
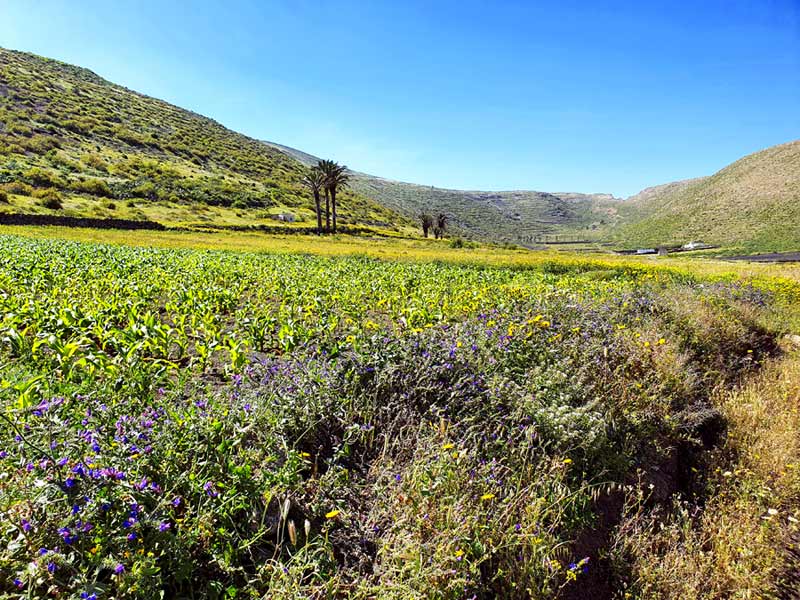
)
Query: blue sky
[{"x": 556, "y": 96}]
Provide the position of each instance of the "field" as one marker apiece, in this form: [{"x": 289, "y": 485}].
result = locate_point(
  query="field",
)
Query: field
[{"x": 288, "y": 417}]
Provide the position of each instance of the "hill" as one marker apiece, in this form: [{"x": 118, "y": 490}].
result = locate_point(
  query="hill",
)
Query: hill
[
  {"x": 75, "y": 144},
  {"x": 752, "y": 205},
  {"x": 504, "y": 216}
]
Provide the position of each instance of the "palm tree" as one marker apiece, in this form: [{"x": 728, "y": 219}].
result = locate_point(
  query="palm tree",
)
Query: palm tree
[
  {"x": 427, "y": 223},
  {"x": 441, "y": 225},
  {"x": 315, "y": 181},
  {"x": 336, "y": 178}
]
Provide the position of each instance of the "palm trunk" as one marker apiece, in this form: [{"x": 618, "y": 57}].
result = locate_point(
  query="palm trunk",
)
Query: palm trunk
[
  {"x": 333, "y": 206},
  {"x": 327, "y": 211},
  {"x": 319, "y": 212}
]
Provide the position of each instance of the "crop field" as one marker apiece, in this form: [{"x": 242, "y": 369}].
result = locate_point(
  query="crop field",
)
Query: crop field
[{"x": 180, "y": 422}]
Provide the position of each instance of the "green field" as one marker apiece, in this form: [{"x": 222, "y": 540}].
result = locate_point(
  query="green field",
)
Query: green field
[{"x": 288, "y": 417}]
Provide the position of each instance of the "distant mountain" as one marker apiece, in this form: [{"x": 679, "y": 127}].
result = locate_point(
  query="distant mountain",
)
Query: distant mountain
[
  {"x": 506, "y": 216},
  {"x": 752, "y": 204},
  {"x": 73, "y": 143}
]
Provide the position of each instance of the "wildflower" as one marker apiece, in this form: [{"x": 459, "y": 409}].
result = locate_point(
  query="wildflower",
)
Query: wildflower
[
  {"x": 518, "y": 527},
  {"x": 164, "y": 526},
  {"x": 70, "y": 482},
  {"x": 176, "y": 501},
  {"x": 131, "y": 536},
  {"x": 567, "y": 461},
  {"x": 18, "y": 583},
  {"x": 459, "y": 554},
  {"x": 26, "y": 525},
  {"x": 51, "y": 567},
  {"x": 119, "y": 569},
  {"x": 88, "y": 596},
  {"x": 208, "y": 486},
  {"x": 332, "y": 514},
  {"x": 487, "y": 497},
  {"x": 398, "y": 478},
  {"x": 448, "y": 446}
]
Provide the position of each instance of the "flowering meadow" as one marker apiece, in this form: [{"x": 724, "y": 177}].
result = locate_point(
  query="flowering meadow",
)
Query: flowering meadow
[{"x": 183, "y": 423}]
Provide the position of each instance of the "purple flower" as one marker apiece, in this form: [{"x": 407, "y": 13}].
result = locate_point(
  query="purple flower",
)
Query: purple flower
[
  {"x": 18, "y": 583},
  {"x": 119, "y": 569},
  {"x": 164, "y": 526},
  {"x": 26, "y": 525},
  {"x": 70, "y": 482},
  {"x": 208, "y": 486},
  {"x": 517, "y": 527},
  {"x": 88, "y": 596},
  {"x": 176, "y": 502},
  {"x": 131, "y": 536},
  {"x": 51, "y": 567},
  {"x": 398, "y": 478}
]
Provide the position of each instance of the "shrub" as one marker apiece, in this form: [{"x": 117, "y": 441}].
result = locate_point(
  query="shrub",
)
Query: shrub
[
  {"x": 94, "y": 187},
  {"x": 41, "y": 178},
  {"x": 94, "y": 161},
  {"x": 49, "y": 198},
  {"x": 19, "y": 188},
  {"x": 3, "y": 197}
]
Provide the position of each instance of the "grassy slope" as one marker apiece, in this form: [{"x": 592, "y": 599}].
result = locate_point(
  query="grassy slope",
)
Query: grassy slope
[
  {"x": 752, "y": 204},
  {"x": 505, "y": 216},
  {"x": 108, "y": 151}
]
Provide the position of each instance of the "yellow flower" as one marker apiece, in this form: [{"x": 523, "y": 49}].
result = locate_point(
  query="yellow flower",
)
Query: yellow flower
[
  {"x": 332, "y": 515},
  {"x": 459, "y": 553},
  {"x": 567, "y": 461},
  {"x": 447, "y": 446},
  {"x": 662, "y": 341},
  {"x": 487, "y": 497}
]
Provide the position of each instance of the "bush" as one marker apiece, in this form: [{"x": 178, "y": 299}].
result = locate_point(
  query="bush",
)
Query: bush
[
  {"x": 3, "y": 197},
  {"x": 93, "y": 187},
  {"x": 49, "y": 198},
  {"x": 19, "y": 188},
  {"x": 41, "y": 178}
]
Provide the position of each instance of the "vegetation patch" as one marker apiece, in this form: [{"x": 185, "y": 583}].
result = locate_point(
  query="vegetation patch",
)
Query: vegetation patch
[{"x": 215, "y": 424}]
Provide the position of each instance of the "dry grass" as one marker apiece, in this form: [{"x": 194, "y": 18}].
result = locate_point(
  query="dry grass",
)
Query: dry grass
[{"x": 736, "y": 547}]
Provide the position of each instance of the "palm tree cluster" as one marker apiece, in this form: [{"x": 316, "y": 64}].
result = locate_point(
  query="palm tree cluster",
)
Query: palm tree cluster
[{"x": 326, "y": 177}]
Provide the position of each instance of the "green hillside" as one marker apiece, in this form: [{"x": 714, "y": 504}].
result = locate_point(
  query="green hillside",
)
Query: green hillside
[
  {"x": 751, "y": 205},
  {"x": 75, "y": 144},
  {"x": 505, "y": 216}
]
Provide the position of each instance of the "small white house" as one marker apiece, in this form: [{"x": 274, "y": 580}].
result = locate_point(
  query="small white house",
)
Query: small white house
[{"x": 693, "y": 246}]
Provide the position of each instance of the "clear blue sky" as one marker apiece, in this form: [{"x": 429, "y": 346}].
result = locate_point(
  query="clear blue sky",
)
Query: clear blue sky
[{"x": 557, "y": 96}]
